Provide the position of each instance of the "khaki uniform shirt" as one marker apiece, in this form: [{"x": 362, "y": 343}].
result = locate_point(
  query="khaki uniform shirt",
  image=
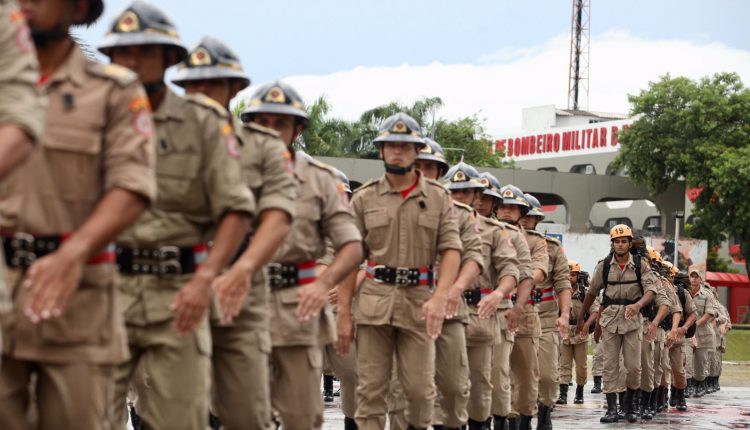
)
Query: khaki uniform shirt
[
  {"x": 529, "y": 324},
  {"x": 558, "y": 280},
  {"x": 519, "y": 243},
  {"x": 323, "y": 212},
  {"x": 98, "y": 136},
  {"x": 269, "y": 173},
  {"x": 575, "y": 310},
  {"x": 704, "y": 304},
  {"x": 468, "y": 230},
  {"x": 688, "y": 310},
  {"x": 613, "y": 316},
  {"x": 401, "y": 232},
  {"x": 22, "y": 103},
  {"x": 199, "y": 179},
  {"x": 500, "y": 260}
]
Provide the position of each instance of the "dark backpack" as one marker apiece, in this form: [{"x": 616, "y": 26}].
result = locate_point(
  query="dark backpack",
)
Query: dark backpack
[{"x": 638, "y": 253}]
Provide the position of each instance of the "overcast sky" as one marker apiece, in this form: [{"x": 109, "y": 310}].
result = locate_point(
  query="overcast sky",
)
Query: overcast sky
[{"x": 486, "y": 57}]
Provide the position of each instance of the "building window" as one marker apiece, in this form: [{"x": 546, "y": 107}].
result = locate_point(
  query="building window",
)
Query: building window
[
  {"x": 547, "y": 169},
  {"x": 614, "y": 221},
  {"x": 584, "y": 169},
  {"x": 652, "y": 224}
]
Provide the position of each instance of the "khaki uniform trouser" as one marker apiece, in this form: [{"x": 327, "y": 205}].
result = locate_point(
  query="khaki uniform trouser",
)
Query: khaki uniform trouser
[
  {"x": 687, "y": 351},
  {"x": 415, "y": 358},
  {"x": 451, "y": 380},
  {"x": 68, "y": 395},
  {"x": 169, "y": 373},
  {"x": 715, "y": 363},
  {"x": 627, "y": 346},
  {"x": 548, "y": 357},
  {"x": 501, "y": 388},
  {"x": 597, "y": 361},
  {"x": 648, "y": 349},
  {"x": 295, "y": 386},
  {"x": 676, "y": 360},
  {"x": 480, "y": 370},
  {"x": 701, "y": 363},
  {"x": 345, "y": 369},
  {"x": 569, "y": 353},
  {"x": 524, "y": 370},
  {"x": 241, "y": 395}
]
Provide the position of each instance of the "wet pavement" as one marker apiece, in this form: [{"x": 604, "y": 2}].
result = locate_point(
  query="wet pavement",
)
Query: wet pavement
[{"x": 725, "y": 409}]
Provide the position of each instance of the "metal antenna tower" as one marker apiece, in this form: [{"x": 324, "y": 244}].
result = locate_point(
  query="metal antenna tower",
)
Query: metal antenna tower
[{"x": 578, "y": 70}]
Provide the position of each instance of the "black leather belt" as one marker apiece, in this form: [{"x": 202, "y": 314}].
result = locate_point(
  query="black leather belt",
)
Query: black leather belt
[
  {"x": 404, "y": 276},
  {"x": 535, "y": 296},
  {"x": 618, "y": 302},
  {"x": 161, "y": 261},
  {"x": 285, "y": 275},
  {"x": 21, "y": 249}
]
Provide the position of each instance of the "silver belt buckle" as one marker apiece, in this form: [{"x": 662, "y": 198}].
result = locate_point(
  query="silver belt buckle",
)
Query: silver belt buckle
[
  {"x": 169, "y": 261},
  {"x": 373, "y": 269},
  {"x": 23, "y": 249},
  {"x": 402, "y": 276}
]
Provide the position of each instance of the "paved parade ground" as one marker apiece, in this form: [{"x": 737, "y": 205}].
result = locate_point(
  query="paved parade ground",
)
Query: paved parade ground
[{"x": 726, "y": 409}]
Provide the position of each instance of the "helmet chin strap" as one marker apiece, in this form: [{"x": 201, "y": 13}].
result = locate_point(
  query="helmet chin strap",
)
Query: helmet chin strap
[
  {"x": 43, "y": 38},
  {"x": 398, "y": 170}
]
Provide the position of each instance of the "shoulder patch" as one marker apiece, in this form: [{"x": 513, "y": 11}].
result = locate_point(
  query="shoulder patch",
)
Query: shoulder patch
[
  {"x": 113, "y": 72},
  {"x": 208, "y": 102},
  {"x": 260, "y": 129}
]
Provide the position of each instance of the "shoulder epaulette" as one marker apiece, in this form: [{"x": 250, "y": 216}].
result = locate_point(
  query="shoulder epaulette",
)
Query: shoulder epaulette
[
  {"x": 208, "y": 102},
  {"x": 509, "y": 226},
  {"x": 323, "y": 166},
  {"x": 119, "y": 74},
  {"x": 366, "y": 185},
  {"x": 552, "y": 240},
  {"x": 260, "y": 129},
  {"x": 535, "y": 233},
  {"x": 437, "y": 184},
  {"x": 463, "y": 206},
  {"x": 493, "y": 221}
]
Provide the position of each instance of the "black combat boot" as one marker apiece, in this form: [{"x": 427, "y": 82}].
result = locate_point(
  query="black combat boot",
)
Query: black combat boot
[
  {"x": 135, "y": 419},
  {"x": 563, "y": 399},
  {"x": 654, "y": 401},
  {"x": 621, "y": 405},
  {"x": 631, "y": 413},
  {"x": 716, "y": 383},
  {"x": 690, "y": 388},
  {"x": 476, "y": 425},
  {"x": 611, "y": 415},
  {"x": 328, "y": 388},
  {"x": 543, "y": 417},
  {"x": 524, "y": 423},
  {"x": 597, "y": 385},
  {"x": 214, "y": 422},
  {"x": 700, "y": 388},
  {"x": 498, "y": 423},
  {"x": 646, "y": 412},
  {"x": 350, "y": 424},
  {"x": 664, "y": 399},
  {"x": 512, "y": 423},
  {"x": 578, "y": 400},
  {"x": 681, "y": 405},
  {"x": 672, "y": 396}
]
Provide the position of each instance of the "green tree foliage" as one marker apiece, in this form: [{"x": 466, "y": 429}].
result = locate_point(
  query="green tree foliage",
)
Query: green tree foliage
[{"x": 698, "y": 132}]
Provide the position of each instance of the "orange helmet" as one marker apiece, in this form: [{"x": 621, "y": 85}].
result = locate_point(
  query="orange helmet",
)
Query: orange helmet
[
  {"x": 574, "y": 266},
  {"x": 620, "y": 230},
  {"x": 653, "y": 255}
]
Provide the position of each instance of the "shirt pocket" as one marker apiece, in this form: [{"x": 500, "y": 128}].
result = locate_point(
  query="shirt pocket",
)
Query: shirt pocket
[
  {"x": 306, "y": 227},
  {"x": 72, "y": 157},
  {"x": 377, "y": 224},
  {"x": 426, "y": 237},
  {"x": 176, "y": 176}
]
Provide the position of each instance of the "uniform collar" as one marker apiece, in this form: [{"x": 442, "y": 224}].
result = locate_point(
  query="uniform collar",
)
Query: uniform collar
[
  {"x": 385, "y": 187},
  {"x": 173, "y": 106},
  {"x": 73, "y": 69},
  {"x": 629, "y": 263}
]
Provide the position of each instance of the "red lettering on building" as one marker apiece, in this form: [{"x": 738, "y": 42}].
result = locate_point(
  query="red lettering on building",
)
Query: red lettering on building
[
  {"x": 614, "y": 136},
  {"x": 557, "y": 142}
]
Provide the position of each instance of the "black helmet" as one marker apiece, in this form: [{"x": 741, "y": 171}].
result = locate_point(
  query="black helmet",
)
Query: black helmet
[
  {"x": 210, "y": 59},
  {"x": 277, "y": 98},
  {"x": 536, "y": 207},
  {"x": 96, "y": 7},
  {"x": 491, "y": 185},
  {"x": 462, "y": 177},
  {"x": 143, "y": 24},
  {"x": 432, "y": 151},
  {"x": 512, "y": 195},
  {"x": 400, "y": 128}
]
